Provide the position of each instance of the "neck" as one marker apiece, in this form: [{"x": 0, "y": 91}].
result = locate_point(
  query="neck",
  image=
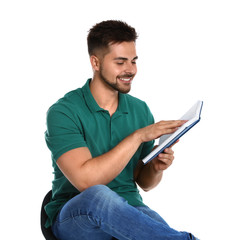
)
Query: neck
[{"x": 105, "y": 97}]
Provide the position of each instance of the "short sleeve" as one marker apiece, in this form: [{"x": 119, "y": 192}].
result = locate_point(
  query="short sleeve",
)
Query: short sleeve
[{"x": 64, "y": 131}]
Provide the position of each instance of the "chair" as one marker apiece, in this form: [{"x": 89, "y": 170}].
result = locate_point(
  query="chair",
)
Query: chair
[{"x": 47, "y": 232}]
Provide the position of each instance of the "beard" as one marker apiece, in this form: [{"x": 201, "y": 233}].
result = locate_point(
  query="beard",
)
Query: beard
[{"x": 122, "y": 88}]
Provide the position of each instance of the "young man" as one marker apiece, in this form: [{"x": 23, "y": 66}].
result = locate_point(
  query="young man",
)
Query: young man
[{"x": 98, "y": 135}]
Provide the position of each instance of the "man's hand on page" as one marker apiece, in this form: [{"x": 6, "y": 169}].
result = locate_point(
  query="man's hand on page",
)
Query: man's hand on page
[{"x": 158, "y": 129}]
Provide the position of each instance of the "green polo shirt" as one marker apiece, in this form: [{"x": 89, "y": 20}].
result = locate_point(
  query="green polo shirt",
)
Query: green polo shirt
[{"x": 76, "y": 120}]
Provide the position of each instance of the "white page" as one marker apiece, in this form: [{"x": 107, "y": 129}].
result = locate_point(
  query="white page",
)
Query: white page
[{"x": 192, "y": 115}]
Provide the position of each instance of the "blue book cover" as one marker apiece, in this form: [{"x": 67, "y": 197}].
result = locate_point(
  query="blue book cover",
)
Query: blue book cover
[{"x": 193, "y": 115}]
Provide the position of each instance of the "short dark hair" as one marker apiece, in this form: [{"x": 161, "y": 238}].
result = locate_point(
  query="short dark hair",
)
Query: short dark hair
[{"x": 109, "y": 32}]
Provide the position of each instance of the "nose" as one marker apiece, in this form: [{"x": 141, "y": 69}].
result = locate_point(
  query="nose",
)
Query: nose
[{"x": 131, "y": 68}]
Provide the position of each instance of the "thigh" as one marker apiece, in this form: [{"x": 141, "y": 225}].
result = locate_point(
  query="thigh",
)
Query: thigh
[
  {"x": 78, "y": 228},
  {"x": 76, "y": 219},
  {"x": 154, "y": 215},
  {"x": 99, "y": 213}
]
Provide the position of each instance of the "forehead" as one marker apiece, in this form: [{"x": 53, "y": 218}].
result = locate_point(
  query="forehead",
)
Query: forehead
[{"x": 123, "y": 49}]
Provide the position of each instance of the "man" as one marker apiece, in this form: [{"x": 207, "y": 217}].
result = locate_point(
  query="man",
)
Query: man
[{"x": 98, "y": 135}]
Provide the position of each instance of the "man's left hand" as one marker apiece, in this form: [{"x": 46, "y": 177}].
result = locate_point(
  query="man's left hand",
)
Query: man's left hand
[{"x": 164, "y": 159}]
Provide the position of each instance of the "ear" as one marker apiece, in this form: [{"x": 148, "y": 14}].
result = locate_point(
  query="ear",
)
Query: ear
[{"x": 95, "y": 62}]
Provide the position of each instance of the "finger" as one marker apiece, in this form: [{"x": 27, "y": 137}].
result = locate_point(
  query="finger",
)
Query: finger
[
  {"x": 167, "y": 127},
  {"x": 164, "y": 127},
  {"x": 166, "y": 161},
  {"x": 172, "y": 123},
  {"x": 168, "y": 151},
  {"x": 166, "y": 156},
  {"x": 174, "y": 143},
  {"x": 168, "y": 130}
]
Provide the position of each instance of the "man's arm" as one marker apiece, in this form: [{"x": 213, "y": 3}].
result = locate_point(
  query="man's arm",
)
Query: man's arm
[
  {"x": 83, "y": 171},
  {"x": 149, "y": 176}
]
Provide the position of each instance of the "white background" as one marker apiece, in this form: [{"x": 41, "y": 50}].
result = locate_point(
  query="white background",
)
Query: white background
[{"x": 186, "y": 52}]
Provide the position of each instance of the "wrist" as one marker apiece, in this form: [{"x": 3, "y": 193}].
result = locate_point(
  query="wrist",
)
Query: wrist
[
  {"x": 155, "y": 170},
  {"x": 138, "y": 136}
]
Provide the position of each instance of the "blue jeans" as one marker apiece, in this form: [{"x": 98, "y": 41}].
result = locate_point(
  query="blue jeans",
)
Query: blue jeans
[{"x": 99, "y": 213}]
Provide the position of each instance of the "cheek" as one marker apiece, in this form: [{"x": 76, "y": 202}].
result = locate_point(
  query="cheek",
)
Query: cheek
[
  {"x": 111, "y": 69},
  {"x": 113, "y": 74},
  {"x": 116, "y": 71}
]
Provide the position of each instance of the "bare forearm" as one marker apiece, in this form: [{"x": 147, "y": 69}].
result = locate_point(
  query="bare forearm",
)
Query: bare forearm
[
  {"x": 106, "y": 167},
  {"x": 148, "y": 178},
  {"x": 83, "y": 171},
  {"x": 110, "y": 164}
]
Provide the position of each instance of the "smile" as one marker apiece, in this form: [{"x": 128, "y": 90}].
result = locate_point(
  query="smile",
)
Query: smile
[{"x": 126, "y": 79}]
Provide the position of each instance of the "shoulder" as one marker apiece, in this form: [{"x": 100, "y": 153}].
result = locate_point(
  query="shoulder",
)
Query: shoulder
[
  {"x": 68, "y": 102},
  {"x": 66, "y": 107}
]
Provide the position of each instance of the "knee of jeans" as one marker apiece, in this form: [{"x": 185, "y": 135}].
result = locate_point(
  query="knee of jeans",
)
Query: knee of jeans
[
  {"x": 101, "y": 194},
  {"x": 96, "y": 196},
  {"x": 97, "y": 189},
  {"x": 97, "y": 192},
  {"x": 100, "y": 198}
]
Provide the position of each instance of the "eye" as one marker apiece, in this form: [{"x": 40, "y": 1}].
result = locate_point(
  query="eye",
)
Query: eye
[
  {"x": 134, "y": 62},
  {"x": 120, "y": 63}
]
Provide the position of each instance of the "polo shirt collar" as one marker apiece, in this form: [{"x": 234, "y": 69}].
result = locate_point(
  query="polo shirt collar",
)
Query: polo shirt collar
[
  {"x": 122, "y": 105},
  {"x": 94, "y": 107},
  {"x": 89, "y": 99}
]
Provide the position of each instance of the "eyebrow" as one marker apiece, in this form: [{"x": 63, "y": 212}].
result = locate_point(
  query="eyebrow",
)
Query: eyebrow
[{"x": 125, "y": 59}]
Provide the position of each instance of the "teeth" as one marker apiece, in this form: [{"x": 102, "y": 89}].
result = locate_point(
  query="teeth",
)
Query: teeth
[{"x": 125, "y": 79}]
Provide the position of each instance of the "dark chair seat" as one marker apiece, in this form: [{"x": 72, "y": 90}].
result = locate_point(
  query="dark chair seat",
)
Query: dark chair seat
[{"x": 47, "y": 232}]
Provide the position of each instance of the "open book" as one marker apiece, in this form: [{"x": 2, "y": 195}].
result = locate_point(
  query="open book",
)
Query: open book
[{"x": 165, "y": 141}]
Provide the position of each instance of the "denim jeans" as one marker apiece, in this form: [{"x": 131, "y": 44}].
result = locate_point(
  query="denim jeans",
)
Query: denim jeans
[{"x": 99, "y": 213}]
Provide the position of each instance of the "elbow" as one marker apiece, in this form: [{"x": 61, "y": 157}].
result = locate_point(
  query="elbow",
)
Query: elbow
[
  {"x": 84, "y": 185},
  {"x": 146, "y": 189},
  {"x": 81, "y": 188}
]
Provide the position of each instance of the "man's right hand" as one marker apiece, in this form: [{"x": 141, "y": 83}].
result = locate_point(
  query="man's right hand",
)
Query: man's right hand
[{"x": 158, "y": 129}]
